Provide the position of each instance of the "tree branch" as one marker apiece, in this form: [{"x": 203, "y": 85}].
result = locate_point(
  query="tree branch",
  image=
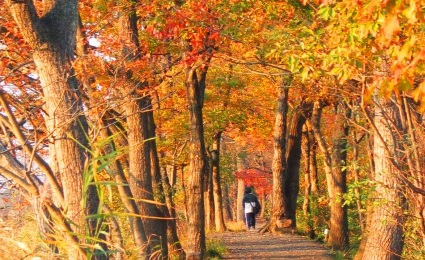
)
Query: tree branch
[{"x": 13, "y": 126}]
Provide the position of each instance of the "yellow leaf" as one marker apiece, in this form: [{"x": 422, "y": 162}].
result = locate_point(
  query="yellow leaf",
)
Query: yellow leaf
[
  {"x": 391, "y": 26},
  {"x": 327, "y": 2},
  {"x": 419, "y": 93},
  {"x": 23, "y": 246}
]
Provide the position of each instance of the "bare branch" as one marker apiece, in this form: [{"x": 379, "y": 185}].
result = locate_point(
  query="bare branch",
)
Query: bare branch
[
  {"x": 13, "y": 126},
  {"x": 13, "y": 170}
]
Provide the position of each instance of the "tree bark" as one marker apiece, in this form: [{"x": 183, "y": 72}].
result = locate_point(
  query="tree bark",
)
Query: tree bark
[
  {"x": 385, "y": 231},
  {"x": 308, "y": 191},
  {"x": 315, "y": 126},
  {"x": 338, "y": 236},
  {"x": 292, "y": 182},
  {"x": 140, "y": 131},
  {"x": 313, "y": 173},
  {"x": 195, "y": 88},
  {"x": 53, "y": 40},
  {"x": 240, "y": 215},
  {"x": 136, "y": 224},
  {"x": 169, "y": 179},
  {"x": 356, "y": 171},
  {"x": 216, "y": 179},
  {"x": 140, "y": 177},
  {"x": 335, "y": 176},
  {"x": 209, "y": 201},
  {"x": 411, "y": 122},
  {"x": 161, "y": 184},
  {"x": 228, "y": 216},
  {"x": 174, "y": 244},
  {"x": 279, "y": 167}
]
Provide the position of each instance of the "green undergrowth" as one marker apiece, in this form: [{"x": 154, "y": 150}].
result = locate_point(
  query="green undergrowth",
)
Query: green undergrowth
[{"x": 215, "y": 249}]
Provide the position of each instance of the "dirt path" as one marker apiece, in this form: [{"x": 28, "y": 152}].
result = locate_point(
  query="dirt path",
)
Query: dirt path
[{"x": 253, "y": 245}]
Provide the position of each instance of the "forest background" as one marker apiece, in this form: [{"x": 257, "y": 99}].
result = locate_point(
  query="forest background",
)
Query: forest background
[{"x": 129, "y": 128}]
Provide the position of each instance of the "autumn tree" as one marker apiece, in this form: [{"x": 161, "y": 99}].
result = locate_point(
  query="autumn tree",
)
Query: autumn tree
[
  {"x": 53, "y": 41},
  {"x": 299, "y": 115},
  {"x": 136, "y": 110},
  {"x": 335, "y": 169},
  {"x": 142, "y": 117},
  {"x": 259, "y": 179},
  {"x": 279, "y": 166},
  {"x": 309, "y": 147},
  {"x": 384, "y": 238},
  {"x": 379, "y": 35},
  {"x": 224, "y": 112}
]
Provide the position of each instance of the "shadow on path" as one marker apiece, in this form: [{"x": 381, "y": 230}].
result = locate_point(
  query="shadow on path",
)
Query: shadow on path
[{"x": 253, "y": 245}]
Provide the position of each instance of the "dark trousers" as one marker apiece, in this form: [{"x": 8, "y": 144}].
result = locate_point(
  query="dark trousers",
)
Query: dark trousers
[{"x": 250, "y": 219}]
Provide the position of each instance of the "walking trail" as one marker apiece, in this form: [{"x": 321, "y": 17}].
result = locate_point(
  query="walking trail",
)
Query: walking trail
[{"x": 253, "y": 245}]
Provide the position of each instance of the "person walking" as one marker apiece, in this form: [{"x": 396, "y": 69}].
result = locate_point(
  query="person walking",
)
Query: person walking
[{"x": 251, "y": 207}]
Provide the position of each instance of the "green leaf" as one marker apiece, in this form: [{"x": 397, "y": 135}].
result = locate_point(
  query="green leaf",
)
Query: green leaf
[
  {"x": 404, "y": 84},
  {"x": 291, "y": 63},
  {"x": 324, "y": 12},
  {"x": 359, "y": 63}
]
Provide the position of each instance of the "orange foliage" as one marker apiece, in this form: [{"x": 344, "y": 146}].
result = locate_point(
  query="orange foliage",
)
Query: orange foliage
[{"x": 260, "y": 180}]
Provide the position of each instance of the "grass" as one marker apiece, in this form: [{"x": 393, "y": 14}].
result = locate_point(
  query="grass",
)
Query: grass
[{"x": 215, "y": 249}]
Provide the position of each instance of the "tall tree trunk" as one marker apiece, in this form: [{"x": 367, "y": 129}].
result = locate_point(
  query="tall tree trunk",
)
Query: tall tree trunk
[
  {"x": 240, "y": 215},
  {"x": 157, "y": 184},
  {"x": 140, "y": 178},
  {"x": 292, "y": 183},
  {"x": 385, "y": 231},
  {"x": 228, "y": 216},
  {"x": 116, "y": 237},
  {"x": 140, "y": 130},
  {"x": 262, "y": 201},
  {"x": 161, "y": 183},
  {"x": 312, "y": 158},
  {"x": 209, "y": 201},
  {"x": 136, "y": 224},
  {"x": 195, "y": 88},
  {"x": 169, "y": 181},
  {"x": 53, "y": 40},
  {"x": 335, "y": 177},
  {"x": 315, "y": 126},
  {"x": 216, "y": 180},
  {"x": 308, "y": 191},
  {"x": 338, "y": 236},
  {"x": 416, "y": 164},
  {"x": 279, "y": 167},
  {"x": 356, "y": 171},
  {"x": 183, "y": 178},
  {"x": 175, "y": 246}
]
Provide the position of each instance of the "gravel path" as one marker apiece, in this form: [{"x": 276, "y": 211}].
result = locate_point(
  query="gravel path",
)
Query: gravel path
[{"x": 253, "y": 245}]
